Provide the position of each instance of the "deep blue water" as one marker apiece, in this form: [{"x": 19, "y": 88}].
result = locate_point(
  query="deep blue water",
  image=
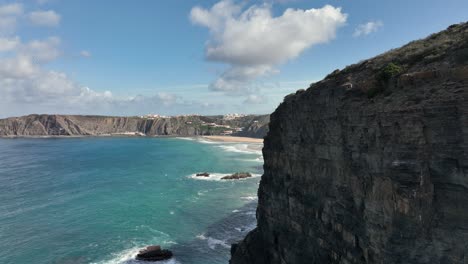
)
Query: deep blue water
[{"x": 98, "y": 200}]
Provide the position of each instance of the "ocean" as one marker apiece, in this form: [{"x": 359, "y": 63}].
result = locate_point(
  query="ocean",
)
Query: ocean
[{"x": 100, "y": 200}]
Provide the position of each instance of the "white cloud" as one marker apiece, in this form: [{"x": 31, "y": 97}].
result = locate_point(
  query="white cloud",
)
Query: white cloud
[
  {"x": 39, "y": 50},
  {"x": 7, "y": 25},
  {"x": 19, "y": 67},
  {"x": 236, "y": 79},
  {"x": 45, "y": 18},
  {"x": 42, "y": 50},
  {"x": 9, "y": 14},
  {"x": 255, "y": 99},
  {"x": 8, "y": 44},
  {"x": 167, "y": 98},
  {"x": 367, "y": 28},
  {"x": 85, "y": 53},
  {"x": 23, "y": 77},
  {"x": 11, "y": 9},
  {"x": 253, "y": 42},
  {"x": 53, "y": 91},
  {"x": 27, "y": 86}
]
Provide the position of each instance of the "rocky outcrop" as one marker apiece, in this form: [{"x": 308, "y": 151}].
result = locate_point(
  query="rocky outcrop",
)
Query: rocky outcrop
[
  {"x": 75, "y": 125},
  {"x": 154, "y": 253},
  {"x": 237, "y": 176},
  {"x": 257, "y": 126},
  {"x": 370, "y": 165}
]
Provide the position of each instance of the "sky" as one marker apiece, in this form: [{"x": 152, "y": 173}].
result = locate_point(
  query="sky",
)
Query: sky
[{"x": 171, "y": 57}]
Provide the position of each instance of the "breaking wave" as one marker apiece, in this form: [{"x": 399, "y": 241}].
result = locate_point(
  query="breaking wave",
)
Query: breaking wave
[{"x": 217, "y": 177}]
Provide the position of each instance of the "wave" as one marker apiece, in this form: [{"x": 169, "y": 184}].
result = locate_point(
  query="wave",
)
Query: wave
[
  {"x": 186, "y": 138},
  {"x": 237, "y": 226},
  {"x": 201, "y": 193},
  {"x": 199, "y": 140},
  {"x": 206, "y": 141},
  {"x": 217, "y": 177},
  {"x": 250, "y": 198},
  {"x": 213, "y": 242},
  {"x": 245, "y": 148},
  {"x": 231, "y": 229},
  {"x": 251, "y": 226},
  {"x": 247, "y": 228},
  {"x": 127, "y": 256},
  {"x": 252, "y": 148},
  {"x": 201, "y": 237}
]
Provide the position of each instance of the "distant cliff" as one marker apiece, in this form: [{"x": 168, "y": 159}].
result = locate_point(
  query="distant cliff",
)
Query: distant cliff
[
  {"x": 370, "y": 165},
  {"x": 75, "y": 125}
]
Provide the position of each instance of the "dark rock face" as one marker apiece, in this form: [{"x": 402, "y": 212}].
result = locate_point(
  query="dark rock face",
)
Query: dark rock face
[
  {"x": 352, "y": 177},
  {"x": 154, "y": 253},
  {"x": 203, "y": 174},
  {"x": 237, "y": 176}
]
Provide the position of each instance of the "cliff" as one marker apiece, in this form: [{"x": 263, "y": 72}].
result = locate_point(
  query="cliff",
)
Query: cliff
[
  {"x": 75, "y": 125},
  {"x": 370, "y": 165}
]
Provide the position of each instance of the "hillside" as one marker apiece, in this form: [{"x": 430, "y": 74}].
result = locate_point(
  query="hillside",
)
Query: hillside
[
  {"x": 370, "y": 164},
  {"x": 75, "y": 125}
]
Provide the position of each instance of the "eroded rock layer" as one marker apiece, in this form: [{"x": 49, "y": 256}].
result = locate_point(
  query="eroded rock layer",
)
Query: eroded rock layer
[
  {"x": 79, "y": 125},
  {"x": 370, "y": 165}
]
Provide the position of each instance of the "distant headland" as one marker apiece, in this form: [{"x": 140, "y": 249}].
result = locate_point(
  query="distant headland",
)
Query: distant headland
[{"x": 255, "y": 126}]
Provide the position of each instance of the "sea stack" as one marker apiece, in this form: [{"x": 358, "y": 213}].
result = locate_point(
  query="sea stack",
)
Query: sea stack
[
  {"x": 237, "y": 176},
  {"x": 370, "y": 164},
  {"x": 154, "y": 253}
]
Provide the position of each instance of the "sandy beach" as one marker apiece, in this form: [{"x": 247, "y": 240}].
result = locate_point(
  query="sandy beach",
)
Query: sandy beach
[{"x": 234, "y": 139}]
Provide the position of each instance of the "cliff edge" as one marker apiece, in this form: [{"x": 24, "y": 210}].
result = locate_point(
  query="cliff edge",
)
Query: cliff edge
[
  {"x": 370, "y": 165},
  {"x": 80, "y": 125}
]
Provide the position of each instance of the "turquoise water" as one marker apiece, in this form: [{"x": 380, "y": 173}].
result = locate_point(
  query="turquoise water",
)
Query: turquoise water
[{"x": 98, "y": 200}]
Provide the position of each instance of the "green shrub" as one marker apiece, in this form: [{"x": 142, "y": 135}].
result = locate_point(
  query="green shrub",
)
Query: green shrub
[
  {"x": 383, "y": 76},
  {"x": 389, "y": 71}
]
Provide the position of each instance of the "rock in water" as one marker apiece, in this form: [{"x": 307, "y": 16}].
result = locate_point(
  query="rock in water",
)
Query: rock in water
[
  {"x": 204, "y": 174},
  {"x": 154, "y": 253},
  {"x": 370, "y": 165},
  {"x": 237, "y": 176}
]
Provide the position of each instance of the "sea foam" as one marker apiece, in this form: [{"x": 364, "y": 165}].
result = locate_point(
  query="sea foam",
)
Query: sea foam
[
  {"x": 213, "y": 242},
  {"x": 217, "y": 177},
  {"x": 128, "y": 257},
  {"x": 252, "y": 148}
]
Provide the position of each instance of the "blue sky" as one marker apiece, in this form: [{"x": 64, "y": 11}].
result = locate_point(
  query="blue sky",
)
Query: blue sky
[{"x": 180, "y": 56}]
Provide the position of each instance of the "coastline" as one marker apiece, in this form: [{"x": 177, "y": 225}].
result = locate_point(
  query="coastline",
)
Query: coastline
[
  {"x": 232, "y": 139},
  {"x": 226, "y": 139},
  {"x": 186, "y": 196}
]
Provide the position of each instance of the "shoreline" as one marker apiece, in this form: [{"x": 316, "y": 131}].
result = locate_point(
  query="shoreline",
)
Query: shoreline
[
  {"x": 231, "y": 139},
  {"x": 226, "y": 139}
]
